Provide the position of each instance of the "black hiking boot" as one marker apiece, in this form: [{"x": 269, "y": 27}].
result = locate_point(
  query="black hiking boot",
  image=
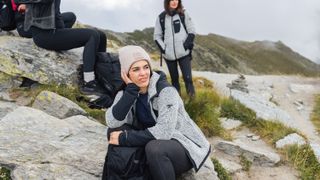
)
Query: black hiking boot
[{"x": 91, "y": 88}]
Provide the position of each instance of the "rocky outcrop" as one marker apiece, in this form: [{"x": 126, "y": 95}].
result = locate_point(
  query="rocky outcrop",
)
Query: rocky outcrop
[
  {"x": 291, "y": 139},
  {"x": 263, "y": 108},
  {"x": 19, "y": 57},
  {"x": 255, "y": 155},
  {"x": 39, "y": 146},
  {"x": 56, "y": 105}
]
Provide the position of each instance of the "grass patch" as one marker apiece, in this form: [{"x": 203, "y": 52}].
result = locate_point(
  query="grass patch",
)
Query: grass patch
[
  {"x": 203, "y": 110},
  {"x": 222, "y": 173},
  {"x": 204, "y": 107},
  {"x": 315, "y": 116},
  {"x": 303, "y": 159},
  {"x": 271, "y": 131},
  {"x": 71, "y": 93},
  {"x": 234, "y": 109},
  {"x": 4, "y": 174},
  {"x": 245, "y": 163}
]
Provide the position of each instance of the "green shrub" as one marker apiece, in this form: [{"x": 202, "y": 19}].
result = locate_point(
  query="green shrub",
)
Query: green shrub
[
  {"x": 231, "y": 108},
  {"x": 222, "y": 173},
  {"x": 203, "y": 110},
  {"x": 4, "y": 174},
  {"x": 304, "y": 160}
]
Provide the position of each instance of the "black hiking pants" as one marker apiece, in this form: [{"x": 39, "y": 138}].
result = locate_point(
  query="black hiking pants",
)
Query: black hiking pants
[
  {"x": 69, "y": 18},
  {"x": 64, "y": 39},
  {"x": 185, "y": 66},
  {"x": 166, "y": 159}
]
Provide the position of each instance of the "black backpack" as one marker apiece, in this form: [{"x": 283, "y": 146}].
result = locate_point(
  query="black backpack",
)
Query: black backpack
[
  {"x": 125, "y": 163},
  {"x": 108, "y": 74},
  {"x": 7, "y": 19}
]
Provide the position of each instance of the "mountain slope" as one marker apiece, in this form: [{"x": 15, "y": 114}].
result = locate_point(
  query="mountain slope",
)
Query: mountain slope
[{"x": 221, "y": 54}]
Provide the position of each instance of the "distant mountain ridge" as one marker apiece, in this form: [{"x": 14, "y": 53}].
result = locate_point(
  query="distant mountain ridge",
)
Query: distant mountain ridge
[{"x": 226, "y": 55}]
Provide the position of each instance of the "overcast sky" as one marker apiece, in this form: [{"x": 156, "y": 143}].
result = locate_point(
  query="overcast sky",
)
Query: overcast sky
[{"x": 294, "y": 22}]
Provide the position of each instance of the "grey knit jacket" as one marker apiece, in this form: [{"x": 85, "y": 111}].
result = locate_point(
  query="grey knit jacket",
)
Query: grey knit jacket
[
  {"x": 40, "y": 13},
  {"x": 172, "y": 122},
  {"x": 174, "y": 36}
]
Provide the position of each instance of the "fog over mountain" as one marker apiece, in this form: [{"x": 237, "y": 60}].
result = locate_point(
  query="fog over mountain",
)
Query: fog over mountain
[{"x": 294, "y": 22}]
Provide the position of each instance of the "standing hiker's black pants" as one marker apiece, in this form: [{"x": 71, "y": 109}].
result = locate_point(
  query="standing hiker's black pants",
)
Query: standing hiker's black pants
[
  {"x": 166, "y": 159},
  {"x": 185, "y": 66},
  {"x": 65, "y": 39}
]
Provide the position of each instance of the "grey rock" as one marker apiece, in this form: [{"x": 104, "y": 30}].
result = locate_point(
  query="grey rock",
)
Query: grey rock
[
  {"x": 20, "y": 57},
  {"x": 291, "y": 139},
  {"x": 206, "y": 172},
  {"x": 255, "y": 138},
  {"x": 256, "y": 156},
  {"x": 40, "y": 146},
  {"x": 231, "y": 166},
  {"x": 263, "y": 108},
  {"x": 296, "y": 88},
  {"x": 239, "y": 84},
  {"x": 316, "y": 150},
  {"x": 56, "y": 105},
  {"x": 229, "y": 124},
  {"x": 8, "y": 82},
  {"x": 6, "y": 107}
]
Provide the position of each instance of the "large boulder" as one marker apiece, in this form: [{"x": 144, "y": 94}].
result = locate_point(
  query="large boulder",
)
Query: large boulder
[
  {"x": 20, "y": 57},
  {"x": 36, "y": 145},
  {"x": 56, "y": 105}
]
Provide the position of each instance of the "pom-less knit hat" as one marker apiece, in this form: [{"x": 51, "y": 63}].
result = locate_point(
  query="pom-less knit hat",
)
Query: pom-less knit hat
[{"x": 131, "y": 54}]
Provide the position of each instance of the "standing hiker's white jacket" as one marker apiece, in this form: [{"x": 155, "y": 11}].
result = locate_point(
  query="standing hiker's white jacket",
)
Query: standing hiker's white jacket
[{"x": 174, "y": 36}]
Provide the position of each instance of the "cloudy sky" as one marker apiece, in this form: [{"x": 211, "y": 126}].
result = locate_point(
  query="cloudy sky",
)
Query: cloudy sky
[{"x": 294, "y": 22}]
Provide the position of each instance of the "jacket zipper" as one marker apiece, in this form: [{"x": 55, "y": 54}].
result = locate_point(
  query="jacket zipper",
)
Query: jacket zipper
[{"x": 174, "y": 46}]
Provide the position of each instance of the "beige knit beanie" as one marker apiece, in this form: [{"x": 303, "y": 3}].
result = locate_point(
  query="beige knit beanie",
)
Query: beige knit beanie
[{"x": 131, "y": 54}]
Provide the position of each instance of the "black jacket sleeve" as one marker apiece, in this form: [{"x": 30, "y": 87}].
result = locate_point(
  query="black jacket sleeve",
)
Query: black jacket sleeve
[
  {"x": 135, "y": 138},
  {"x": 123, "y": 106},
  {"x": 32, "y": 1},
  {"x": 188, "y": 44}
]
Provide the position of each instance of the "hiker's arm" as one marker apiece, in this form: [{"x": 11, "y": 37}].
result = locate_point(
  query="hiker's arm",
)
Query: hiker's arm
[
  {"x": 122, "y": 105},
  {"x": 189, "y": 24},
  {"x": 158, "y": 36},
  {"x": 131, "y": 138},
  {"x": 189, "y": 42}
]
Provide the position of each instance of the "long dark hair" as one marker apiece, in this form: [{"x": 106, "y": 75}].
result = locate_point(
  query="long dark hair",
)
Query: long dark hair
[{"x": 180, "y": 9}]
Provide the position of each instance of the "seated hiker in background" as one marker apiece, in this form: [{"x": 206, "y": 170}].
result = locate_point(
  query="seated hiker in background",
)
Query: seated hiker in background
[
  {"x": 173, "y": 143},
  {"x": 49, "y": 31},
  {"x": 69, "y": 18}
]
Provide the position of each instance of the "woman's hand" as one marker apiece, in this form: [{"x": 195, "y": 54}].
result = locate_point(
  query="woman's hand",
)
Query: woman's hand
[
  {"x": 125, "y": 77},
  {"x": 22, "y": 8},
  {"x": 114, "y": 137}
]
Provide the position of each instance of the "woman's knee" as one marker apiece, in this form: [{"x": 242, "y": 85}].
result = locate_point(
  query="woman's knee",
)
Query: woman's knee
[{"x": 154, "y": 149}]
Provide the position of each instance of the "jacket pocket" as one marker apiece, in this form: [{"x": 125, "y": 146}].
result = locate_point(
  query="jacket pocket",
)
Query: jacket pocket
[{"x": 176, "y": 26}]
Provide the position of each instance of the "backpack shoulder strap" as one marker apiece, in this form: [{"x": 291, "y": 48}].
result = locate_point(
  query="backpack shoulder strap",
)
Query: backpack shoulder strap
[
  {"x": 162, "y": 17},
  {"x": 182, "y": 18}
]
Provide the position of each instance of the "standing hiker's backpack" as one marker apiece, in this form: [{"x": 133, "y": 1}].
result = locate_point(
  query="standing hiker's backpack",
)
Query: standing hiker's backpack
[
  {"x": 108, "y": 74},
  {"x": 7, "y": 20},
  {"x": 162, "y": 19}
]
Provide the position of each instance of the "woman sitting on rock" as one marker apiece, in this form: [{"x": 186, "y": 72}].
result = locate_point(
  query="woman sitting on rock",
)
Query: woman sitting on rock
[
  {"x": 173, "y": 142},
  {"x": 48, "y": 29}
]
